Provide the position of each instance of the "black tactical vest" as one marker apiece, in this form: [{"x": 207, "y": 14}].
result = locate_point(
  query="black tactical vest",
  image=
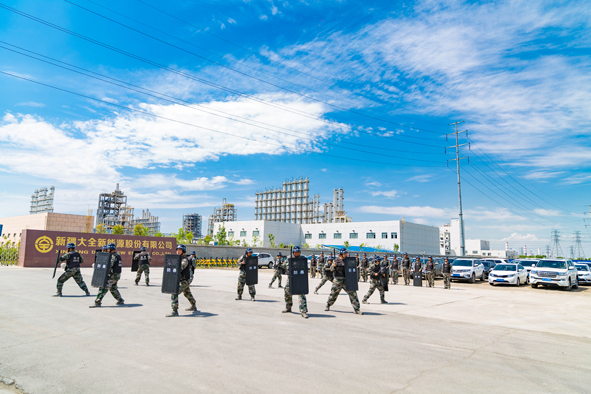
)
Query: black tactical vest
[
  {"x": 406, "y": 262},
  {"x": 364, "y": 263},
  {"x": 429, "y": 266},
  {"x": 339, "y": 271},
  {"x": 117, "y": 265},
  {"x": 395, "y": 264},
  {"x": 144, "y": 258},
  {"x": 186, "y": 272},
  {"x": 418, "y": 265},
  {"x": 446, "y": 268},
  {"x": 313, "y": 262},
  {"x": 73, "y": 260}
]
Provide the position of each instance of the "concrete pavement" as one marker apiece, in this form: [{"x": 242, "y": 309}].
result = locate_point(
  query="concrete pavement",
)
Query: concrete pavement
[{"x": 473, "y": 338}]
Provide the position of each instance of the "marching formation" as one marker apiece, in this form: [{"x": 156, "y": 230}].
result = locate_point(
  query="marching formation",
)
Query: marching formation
[{"x": 344, "y": 273}]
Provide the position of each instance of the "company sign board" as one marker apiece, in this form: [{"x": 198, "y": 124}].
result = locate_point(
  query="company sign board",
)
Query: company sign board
[{"x": 39, "y": 247}]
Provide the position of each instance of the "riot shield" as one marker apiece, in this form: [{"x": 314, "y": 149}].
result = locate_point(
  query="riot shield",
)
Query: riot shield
[
  {"x": 102, "y": 266},
  {"x": 417, "y": 279},
  {"x": 57, "y": 260},
  {"x": 384, "y": 277},
  {"x": 251, "y": 266},
  {"x": 384, "y": 281},
  {"x": 298, "y": 275},
  {"x": 135, "y": 264},
  {"x": 351, "y": 282},
  {"x": 171, "y": 275}
]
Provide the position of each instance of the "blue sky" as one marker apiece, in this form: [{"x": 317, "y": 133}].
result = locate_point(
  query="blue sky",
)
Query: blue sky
[{"x": 212, "y": 100}]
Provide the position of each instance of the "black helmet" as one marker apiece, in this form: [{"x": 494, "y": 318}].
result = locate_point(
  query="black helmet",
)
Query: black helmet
[
  {"x": 193, "y": 253},
  {"x": 112, "y": 246},
  {"x": 296, "y": 249},
  {"x": 71, "y": 245},
  {"x": 143, "y": 249},
  {"x": 279, "y": 254},
  {"x": 182, "y": 247}
]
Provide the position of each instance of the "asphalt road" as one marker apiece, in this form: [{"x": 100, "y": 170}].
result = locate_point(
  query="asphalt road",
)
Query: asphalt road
[{"x": 472, "y": 338}]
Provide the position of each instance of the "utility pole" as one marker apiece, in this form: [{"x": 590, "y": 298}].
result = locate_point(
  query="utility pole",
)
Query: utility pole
[
  {"x": 578, "y": 252},
  {"x": 556, "y": 249},
  {"x": 457, "y": 160}
]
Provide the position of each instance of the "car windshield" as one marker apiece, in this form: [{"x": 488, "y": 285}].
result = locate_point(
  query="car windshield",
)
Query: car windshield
[
  {"x": 582, "y": 267},
  {"x": 528, "y": 263},
  {"x": 552, "y": 264},
  {"x": 462, "y": 263},
  {"x": 506, "y": 267}
]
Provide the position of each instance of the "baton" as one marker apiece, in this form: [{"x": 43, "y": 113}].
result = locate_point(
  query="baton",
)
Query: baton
[{"x": 57, "y": 260}]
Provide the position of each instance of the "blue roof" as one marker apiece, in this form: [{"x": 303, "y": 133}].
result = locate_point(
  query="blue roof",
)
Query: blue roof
[{"x": 365, "y": 249}]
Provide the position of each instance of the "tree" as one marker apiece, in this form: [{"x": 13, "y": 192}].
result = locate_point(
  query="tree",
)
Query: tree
[
  {"x": 318, "y": 246},
  {"x": 100, "y": 229},
  {"x": 141, "y": 230},
  {"x": 118, "y": 229},
  {"x": 207, "y": 240},
  {"x": 189, "y": 237},
  {"x": 272, "y": 240},
  {"x": 282, "y": 245},
  {"x": 159, "y": 234},
  {"x": 396, "y": 247},
  {"x": 306, "y": 246},
  {"x": 379, "y": 247},
  {"x": 244, "y": 243},
  {"x": 346, "y": 244},
  {"x": 221, "y": 236},
  {"x": 361, "y": 247}
]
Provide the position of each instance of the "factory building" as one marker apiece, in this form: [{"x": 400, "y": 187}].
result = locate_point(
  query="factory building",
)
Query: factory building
[
  {"x": 227, "y": 213},
  {"x": 192, "y": 223},
  {"x": 42, "y": 201},
  {"x": 410, "y": 237},
  {"x": 148, "y": 221}
]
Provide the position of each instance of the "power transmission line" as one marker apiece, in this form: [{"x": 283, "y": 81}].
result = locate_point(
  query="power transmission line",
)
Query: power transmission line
[
  {"x": 248, "y": 75},
  {"x": 200, "y": 80},
  {"x": 578, "y": 247},
  {"x": 556, "y": 248}
]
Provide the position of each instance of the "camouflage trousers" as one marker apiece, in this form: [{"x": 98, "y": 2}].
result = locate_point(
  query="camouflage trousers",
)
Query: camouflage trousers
[
  {"x": 277, "y": 276},
  {"x": 373, "y": 285},
  {"x": 71, "y": 273},
  {"x": 145, "y": 268},
  {"x": 112, "y": 286},
  {"x": 406, "y": 275},
  {"x": 312, "y": 272},
  {"x": 322, "y": 282},
  {"x": 394, "y": 277},
  {"x": 242, "y": 283},
  {"x": 430, "y": 278},
  {"x": 446, "y": 281},
  {"x": 289, "y": 300},
  {"x": 363, "y": 272},
  {"x": 338, "y": 284},
  {"x": 185, "y": 289}
]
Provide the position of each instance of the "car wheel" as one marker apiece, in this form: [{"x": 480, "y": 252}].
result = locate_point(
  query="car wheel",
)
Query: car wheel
[
  {"x": 482, "y": 277},
  {"x": 534, "y": 285},
  {"x": 473, "y": 278},
  {"x": 518, "y": 282},
  {"x": 577, "y": 283},
  {"x": 490, "y": 283},
  {"x": 270, "y": 265},
  {"x": 570, "y": 286},
  {"x": 527, "y": 280}
]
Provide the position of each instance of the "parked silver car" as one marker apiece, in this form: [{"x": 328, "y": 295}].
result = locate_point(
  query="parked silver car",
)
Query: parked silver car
[{"x": 554, "y": 272}]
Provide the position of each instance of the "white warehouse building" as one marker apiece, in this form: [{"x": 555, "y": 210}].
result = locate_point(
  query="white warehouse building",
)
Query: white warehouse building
[{"x": 410, "y": 237}]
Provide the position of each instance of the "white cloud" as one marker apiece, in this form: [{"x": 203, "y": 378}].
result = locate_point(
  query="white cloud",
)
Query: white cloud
[
  {"x": 232, "y": 21},
  {"x": 387, "y": 194},
  {"x": 98, "y": 149},
  {"x": 577, "y": 179},
  {"x": 420, "y": 178},
  {"x": 416, "y": 211},
  {"x": 546, "y": 212},
  {"x": 263, "y": 17},
  {"x": 373, "y": 183},
  {"x": 31, "y": 104},
  {"x": 543, "y": 174},
  {"x": 520, "y": 237}
]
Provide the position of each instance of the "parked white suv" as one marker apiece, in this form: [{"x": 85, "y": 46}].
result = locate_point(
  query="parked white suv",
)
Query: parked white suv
[
  {"x": 265, "y": 260},
  {"x": 467, "y": 269},
  {"x": 512, "y": 273},
  {"x": 584, "y": 274},
  {"x": 554, "y": 272}
]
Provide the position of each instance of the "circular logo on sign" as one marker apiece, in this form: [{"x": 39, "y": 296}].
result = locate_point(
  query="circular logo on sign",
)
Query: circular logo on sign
[{"x": 43, "y": 244}]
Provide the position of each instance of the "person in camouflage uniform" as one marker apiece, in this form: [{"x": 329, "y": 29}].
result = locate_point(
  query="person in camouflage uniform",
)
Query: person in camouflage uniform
[
  {"x": 321, "y": 263},
  {"x": 184, "y": 285},
  {"x": 325, "y": 275},
  {"x": 313, "y": 264},
  {"x": 430, "y": 272},
  {"x": 376, "y": 272},
  {"x": 406, "y": 269},
  {"x": 395, "y": 268},
  {"x": 278, "y": 267},
  {"x": 144, "y": 259},
  {"x": 193, "y": 261},
  {"x": 364, "y": 267},
  {"x": 339, "y": 283},
  {"x": 114, "y": 276},
  {"x": 73, "y": 261},
  {"x": 446, "y": 272},
  {"x": 242, "y": 277},
  {"x": 288, "y": 296}
]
